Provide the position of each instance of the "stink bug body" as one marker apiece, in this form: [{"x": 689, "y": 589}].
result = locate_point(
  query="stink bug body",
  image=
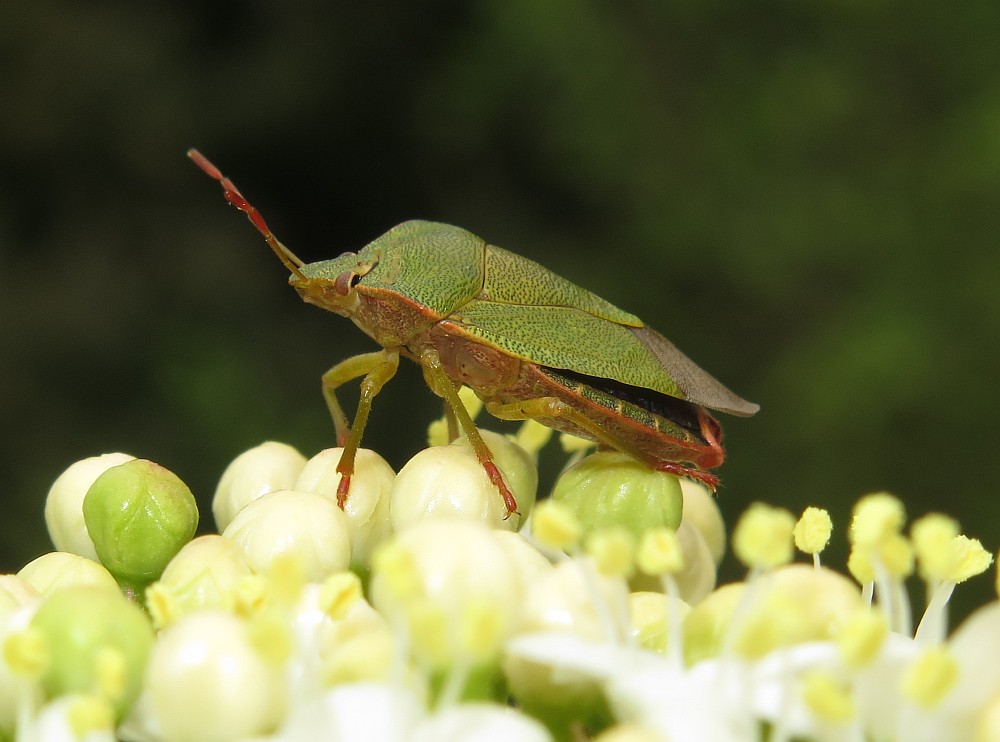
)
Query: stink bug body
[{"x": 529, "y": 343}]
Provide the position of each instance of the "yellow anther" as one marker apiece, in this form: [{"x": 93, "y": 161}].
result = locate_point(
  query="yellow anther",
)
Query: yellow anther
[
  {"x": 394, "y": 564},
  {"x": 613, "y": 551},
  {"x": 339, "y": 593},
  {"x": 812, "y": 531},
  {"x": 769, "y": 625},
  {"x": 481, "y": 632},
  {"x": 555, "y": 525},
  {"x": 876, "y": 516},
  {"x": 161, "y": 604},
  {"x": 859, "y": 564},
  {"x": 895, "y": 553},
  {"x": 861, "y": 637},
  {"x": 968, "y": 559},
  {"x": 930, "y": 677},
  {"x": 660, "y": 552},
  {"x": 26, "y": 652},
  {"x": 827, "y": 698},
  {"x": 88, "y": 714},
  {"x": 763, "y": 536},
  {"x": 111, "y": 672},
  {"x": 270, "y": 637},
  {"x": 250, "y": 595}
]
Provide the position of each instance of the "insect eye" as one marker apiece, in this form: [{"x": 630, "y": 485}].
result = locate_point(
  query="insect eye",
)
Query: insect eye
[{"x": 345, "y": 282}]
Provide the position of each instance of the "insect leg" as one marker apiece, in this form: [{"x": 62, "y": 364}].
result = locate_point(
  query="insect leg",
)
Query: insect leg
[
  {"x": 377, "y": 368},
  {"x": 439, "y": 382},
  {"x": 553, "y": 407}
]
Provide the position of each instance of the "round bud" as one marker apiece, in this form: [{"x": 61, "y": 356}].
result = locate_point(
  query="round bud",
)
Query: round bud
[
  {"x": 96, "y": 639},
  {"x": 303, "y": 525},
  {"x": 265, "y": 468},
  {"x": 610, "y": 488},
  {"x": 64, "y": 503},
  {"x": 139, "y": 515}
]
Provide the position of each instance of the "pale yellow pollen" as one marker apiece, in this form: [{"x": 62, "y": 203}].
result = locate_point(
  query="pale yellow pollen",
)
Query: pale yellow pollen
[
  {"x": 876, "y": 516},
  {"x": 437, "y": 431},
  {"x": 161, "y": 602},
  {"x": 269, "y": 635},
  {"x": 859, "y": 564},
  {"x": 931, "y": 535},
  {"x": 930, "y": 677},
  {"x": 88, "y": 714},
  {"x": 660, "y": 552},
  {"x": 895, "y": 553},
  {"x": 861, "y": 637},
  {"x": 339, "y": 593},
  {"x": 555, "y": 525},
  {"x": 812, "y": 531},
  {"x": 532, "y": 436},
  {"x": 763, "y": 536},
  {"x": 613, "y": 551},
  {"x": 827, "y": 698},
  {"x": 395, "y": 566},
  {"x": 968, "y": 559},
  {"x": 367, "y": 656},
  {"x": 112, "y": 673},
  {"x": 768, "y": 625},
  {"x": 26, "y": 652},
  {"x": 250, "y": 595},
  {"x": 481, "y": 630},
  {"x": 286, "y": 578},
  {"x": 430, "y": 631}
]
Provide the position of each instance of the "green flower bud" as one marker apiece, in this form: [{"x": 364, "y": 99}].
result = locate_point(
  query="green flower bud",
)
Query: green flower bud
[
  {"x": 610, "y": 488},
  {"x": 64, "y": 503},
  {"x": 97, "y": 641},
  {"x": 139, "y": 515}
]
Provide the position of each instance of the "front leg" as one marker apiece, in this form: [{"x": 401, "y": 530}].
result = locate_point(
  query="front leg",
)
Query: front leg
[{"x": 377, "y": 368}]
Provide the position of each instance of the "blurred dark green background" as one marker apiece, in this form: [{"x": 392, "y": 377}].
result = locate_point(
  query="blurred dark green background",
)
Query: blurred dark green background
[{"x": 802, "y": 195}]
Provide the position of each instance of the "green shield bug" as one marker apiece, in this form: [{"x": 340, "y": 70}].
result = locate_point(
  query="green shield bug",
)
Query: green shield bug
[{"x": 528, "y": 342}]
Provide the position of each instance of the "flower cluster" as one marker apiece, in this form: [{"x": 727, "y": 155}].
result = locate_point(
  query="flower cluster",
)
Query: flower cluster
[{"x": 421, "y": 611}]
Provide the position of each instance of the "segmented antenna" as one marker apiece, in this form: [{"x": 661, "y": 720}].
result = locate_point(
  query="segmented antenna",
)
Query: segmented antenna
[{"x": 233, "y": 196}]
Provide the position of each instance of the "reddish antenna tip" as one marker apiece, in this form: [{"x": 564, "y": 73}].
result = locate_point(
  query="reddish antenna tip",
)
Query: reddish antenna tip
[{"x": 233, "y": 196}]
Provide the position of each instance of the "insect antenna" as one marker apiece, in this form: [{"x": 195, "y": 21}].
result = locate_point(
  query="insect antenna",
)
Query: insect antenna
[{"x": 233, "y": 196}]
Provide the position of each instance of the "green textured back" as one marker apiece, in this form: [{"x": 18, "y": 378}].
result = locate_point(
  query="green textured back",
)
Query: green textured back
[
  {"x": 436, "y": 266},
  {"x": 567, "y": 338},
  {"x": 513, "y": 279}
]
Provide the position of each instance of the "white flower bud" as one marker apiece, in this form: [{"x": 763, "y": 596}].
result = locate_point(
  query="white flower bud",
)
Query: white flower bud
[
  {"x": 304, "y": 525},
  {"x": 450, "y": 480},
  {"x": 207, "y": 682},
  {"x": 367, "y": 505},
  {"x": 59, "y": 569},
  {"x": 64, "y": 503},
  {"x": 265, "y": 468},
  {"x": 452, "y": 586},
  {"x": 702, "y": 511}
]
